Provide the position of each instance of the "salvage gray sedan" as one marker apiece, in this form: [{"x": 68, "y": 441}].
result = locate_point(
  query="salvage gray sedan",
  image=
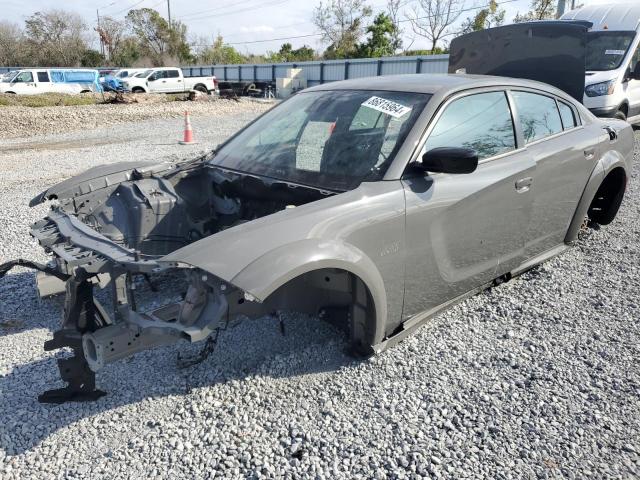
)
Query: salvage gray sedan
[{"x": 374, "y": 203}]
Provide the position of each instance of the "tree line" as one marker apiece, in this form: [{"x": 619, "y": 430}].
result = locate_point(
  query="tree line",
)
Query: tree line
[{"x": 348, "y": 29}]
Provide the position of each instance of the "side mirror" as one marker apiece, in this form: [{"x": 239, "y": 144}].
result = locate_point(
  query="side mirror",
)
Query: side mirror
[
  {"x": 635, "y": 73},
  {"x": 448, "y": 160}
]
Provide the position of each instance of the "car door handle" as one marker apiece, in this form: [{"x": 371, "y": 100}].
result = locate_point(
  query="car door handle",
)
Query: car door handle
[
  {"x": 524, "y": 184},
  {"x": 589, "y": 153}
]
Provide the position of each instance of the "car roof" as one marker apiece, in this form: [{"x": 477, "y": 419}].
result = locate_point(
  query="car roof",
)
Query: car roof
[
  {"x": 433, "y": 83},
  {"x": 612, "y": 16}
]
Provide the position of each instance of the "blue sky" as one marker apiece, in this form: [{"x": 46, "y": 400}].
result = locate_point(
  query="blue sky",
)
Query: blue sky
[{"x": 238, "y": 21}]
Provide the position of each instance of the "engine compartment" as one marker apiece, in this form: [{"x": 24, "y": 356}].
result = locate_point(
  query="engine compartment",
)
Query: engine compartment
[{"x": 157, "y": 215}]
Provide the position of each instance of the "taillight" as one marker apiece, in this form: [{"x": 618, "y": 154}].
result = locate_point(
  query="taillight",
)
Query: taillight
[{"x": 215, "y": 82}]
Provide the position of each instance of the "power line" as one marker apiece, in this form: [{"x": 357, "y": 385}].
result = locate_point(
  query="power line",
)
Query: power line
[
  {"x": 318, "y": 34},
  {"x": 246, "y": 9},
  {"x": 211, "y": 9}
]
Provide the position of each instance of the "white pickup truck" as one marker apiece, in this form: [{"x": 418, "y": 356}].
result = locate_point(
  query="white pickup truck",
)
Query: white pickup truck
[
  {"x": 168, "y": 80},
  {"x": 37, "y": 80}
]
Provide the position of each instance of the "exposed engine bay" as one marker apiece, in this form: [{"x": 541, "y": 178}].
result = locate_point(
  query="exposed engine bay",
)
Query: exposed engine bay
[{"x": 118, "y": 231}]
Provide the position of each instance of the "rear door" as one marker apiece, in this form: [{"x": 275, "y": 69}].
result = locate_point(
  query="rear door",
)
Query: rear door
[
  {"x": 43, "y": 81},
  {"x": 564, "y": 153},
  {"x": 461, "y": 228},
  {"x": 173, "y": 81}
]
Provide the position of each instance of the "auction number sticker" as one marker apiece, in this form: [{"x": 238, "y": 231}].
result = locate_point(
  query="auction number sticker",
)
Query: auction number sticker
[
  {"x": 396, "y": 110},
  {"x": 614, "y": 52}
]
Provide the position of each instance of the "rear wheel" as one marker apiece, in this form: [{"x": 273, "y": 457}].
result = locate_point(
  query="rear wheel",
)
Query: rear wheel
[{"x": 201, "y": 88}]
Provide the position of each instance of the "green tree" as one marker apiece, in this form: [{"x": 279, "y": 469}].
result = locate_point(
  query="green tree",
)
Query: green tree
[
  {"x": 92, "y": 58},
  {"x": 159, "y": 41},
  {"x": 491, "y": 16},
  {"x": 288, "y": 54},
  {"x": 127, "y": 54},
  {"x": 380, "y": 42},
  {"x": 341, "y": 23},
  {"x": 219, "y": 53},
  {"x": 539, "y": 10}
]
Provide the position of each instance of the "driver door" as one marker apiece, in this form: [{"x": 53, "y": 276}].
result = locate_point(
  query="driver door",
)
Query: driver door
[
  {"x": 25, "y": 84},
  {"x": 464, "y": 229}
]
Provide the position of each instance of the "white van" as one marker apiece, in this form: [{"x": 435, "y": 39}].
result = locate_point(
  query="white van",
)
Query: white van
[
  {"x": 31, "y": 81},
  {"x": 612, "y": 84}
]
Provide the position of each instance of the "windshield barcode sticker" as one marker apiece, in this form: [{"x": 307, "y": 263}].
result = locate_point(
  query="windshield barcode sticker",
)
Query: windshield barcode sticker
[
  {"x": 394, "y": 109},
  {"x": 614, "y": 52}
]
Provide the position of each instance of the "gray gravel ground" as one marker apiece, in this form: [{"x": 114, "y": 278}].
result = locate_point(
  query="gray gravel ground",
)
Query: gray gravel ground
[{"x": 538, "y": 378}]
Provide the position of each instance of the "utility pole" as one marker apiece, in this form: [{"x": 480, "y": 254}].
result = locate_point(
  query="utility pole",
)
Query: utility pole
[
  {"x": 100, "y": 32},
  {"x": 169, "y": 11}
]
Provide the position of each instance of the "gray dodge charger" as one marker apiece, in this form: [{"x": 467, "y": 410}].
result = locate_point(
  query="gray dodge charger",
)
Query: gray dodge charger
[{"x": 373, "y": 203}]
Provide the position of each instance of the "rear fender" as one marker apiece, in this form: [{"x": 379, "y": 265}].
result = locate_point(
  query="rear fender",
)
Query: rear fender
[{"x": 607, "y": 163}]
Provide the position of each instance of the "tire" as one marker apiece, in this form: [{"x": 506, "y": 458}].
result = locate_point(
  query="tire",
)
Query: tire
[
  {"x": 137, "y": 90},
  {"x": 11, "y": 93},
  {"x": 621, "y": 114},
  {"x": 201, "y": 88}
]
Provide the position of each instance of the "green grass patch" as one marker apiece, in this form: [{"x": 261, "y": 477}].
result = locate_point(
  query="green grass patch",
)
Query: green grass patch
[{"x": 47, "y": 100}]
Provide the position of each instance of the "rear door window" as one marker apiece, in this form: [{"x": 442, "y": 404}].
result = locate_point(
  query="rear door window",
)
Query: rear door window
[
  {"x": 43, "y": 77},
  {"x": 567, "y": 116},
  {"x": 172, "y": 74},
  {"x": 538, "y": 114},
  {"x": 481, "y": 121}
]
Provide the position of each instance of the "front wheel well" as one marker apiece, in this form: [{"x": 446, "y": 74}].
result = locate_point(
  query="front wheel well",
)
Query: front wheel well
[
  {"x": 607, "y": 200},
  {"x": 338, "y": 296}
]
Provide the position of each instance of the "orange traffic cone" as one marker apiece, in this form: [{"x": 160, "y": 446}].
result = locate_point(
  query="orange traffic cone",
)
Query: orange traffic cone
[{"x": 188, "y": 131}]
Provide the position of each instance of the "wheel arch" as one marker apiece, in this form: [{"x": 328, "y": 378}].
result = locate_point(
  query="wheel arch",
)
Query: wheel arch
[
  {"x": 271, "y": 274},
  {"x": 611, "y": 171}
]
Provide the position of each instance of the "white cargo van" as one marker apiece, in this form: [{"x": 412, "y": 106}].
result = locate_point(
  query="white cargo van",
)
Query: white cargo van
[{"x": 612, "y": 83}]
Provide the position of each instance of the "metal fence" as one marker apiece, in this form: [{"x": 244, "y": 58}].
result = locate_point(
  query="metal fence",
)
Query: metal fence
[{"x": 315, "y": 72}]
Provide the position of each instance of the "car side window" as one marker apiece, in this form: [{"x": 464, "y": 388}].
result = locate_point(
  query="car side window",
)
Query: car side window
[
  {"x": 24, "y": 77},
  {"x": 172, "y": 74},
  {"x": 539, "y": 116},
  {"x": 480, "y": 121},
  {"x": 43, "y": 77},
  {"x": 567, "y": 116}
]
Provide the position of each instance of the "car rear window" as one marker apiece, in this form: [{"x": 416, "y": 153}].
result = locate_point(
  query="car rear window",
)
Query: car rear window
[
  {"x": 539, "y": 116},
  {"x": 567, "y": 116}
]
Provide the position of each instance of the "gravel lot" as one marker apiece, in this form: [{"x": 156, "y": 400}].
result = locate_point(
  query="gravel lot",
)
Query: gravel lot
[
  {"x": 538, "y": 378},
  {"x": 21, "y": 122}
]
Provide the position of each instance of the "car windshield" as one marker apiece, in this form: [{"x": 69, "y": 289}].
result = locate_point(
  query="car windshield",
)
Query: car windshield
[
  {"x": 146, "y": 73},
  {"x": 9, "y": 77},
  {"x": 606, "y": 49},
  {"x": 332, "y": 140}
]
